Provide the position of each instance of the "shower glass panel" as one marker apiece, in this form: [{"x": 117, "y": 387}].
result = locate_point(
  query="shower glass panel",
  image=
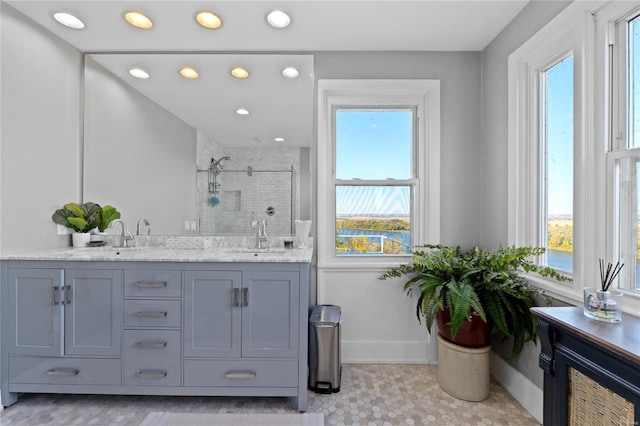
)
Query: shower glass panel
[{"x": 244, "y": 195}]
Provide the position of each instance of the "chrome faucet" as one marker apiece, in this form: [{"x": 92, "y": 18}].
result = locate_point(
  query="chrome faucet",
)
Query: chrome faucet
[
  {"x": 140, "y": 223},
  {"x": 261, "y": 232},
  {"x": 125, "y": 236}
]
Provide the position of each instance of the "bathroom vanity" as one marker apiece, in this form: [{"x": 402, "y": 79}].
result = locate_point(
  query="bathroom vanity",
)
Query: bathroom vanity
[{"x": 156, "y": 321}]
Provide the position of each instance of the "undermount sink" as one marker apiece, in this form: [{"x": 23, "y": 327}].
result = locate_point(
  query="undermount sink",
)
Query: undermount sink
[{"x": 257, "y": 250}]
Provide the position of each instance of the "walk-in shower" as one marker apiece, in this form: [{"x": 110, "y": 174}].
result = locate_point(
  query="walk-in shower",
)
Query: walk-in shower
[{"x": 231, "y": 198}]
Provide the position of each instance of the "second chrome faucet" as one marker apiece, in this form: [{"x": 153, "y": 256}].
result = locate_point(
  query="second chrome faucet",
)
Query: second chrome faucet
[{"x": 261, "y": 232}]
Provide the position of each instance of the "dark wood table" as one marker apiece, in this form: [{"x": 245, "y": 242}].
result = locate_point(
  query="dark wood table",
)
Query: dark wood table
[{"x": 606, "y": 353}]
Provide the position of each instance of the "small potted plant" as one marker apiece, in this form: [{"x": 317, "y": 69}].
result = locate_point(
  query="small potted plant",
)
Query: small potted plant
[
  {"x": 81, "y": 219},
  {"x": 107, "y": 215}
]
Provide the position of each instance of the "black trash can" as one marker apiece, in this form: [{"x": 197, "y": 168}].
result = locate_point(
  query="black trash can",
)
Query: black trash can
[{"x": 325, "y": 369}]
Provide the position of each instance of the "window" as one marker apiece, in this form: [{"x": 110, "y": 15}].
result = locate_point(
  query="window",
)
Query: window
[
  {"x": 556, "y": 92},
  {"x": 374, "y": 181},
  {"x": 378, "y": 170},
  {"x": 624, "y": 153},
  {"x": 548, "y": 152},
  {"x": 574, "y": 146}
]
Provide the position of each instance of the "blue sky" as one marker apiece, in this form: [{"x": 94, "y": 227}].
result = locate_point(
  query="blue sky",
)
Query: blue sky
[
  {"x": 559, "y": 134},
  {"x": 373, "y": 145}
]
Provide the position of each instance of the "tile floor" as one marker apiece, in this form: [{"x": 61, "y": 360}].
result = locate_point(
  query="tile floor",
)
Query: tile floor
[{"x": 369, "y": 395}]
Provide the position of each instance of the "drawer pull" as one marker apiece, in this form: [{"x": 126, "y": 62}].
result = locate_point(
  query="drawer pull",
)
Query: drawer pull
[
  {"x": 63, "y": 372},
  {"x": 151, "y": 374},
  {"x": 150, "y": 284},
  {"x": 151, "y": 314},
  {"x": 236, "y": 294},
  {"x": 239, "y": 374},
  {"x": 245, "y": 297},
  {"x": 152, "y": 344},
  {"x": 66, "y": 295},
  {"x": 55, "y": 295}
]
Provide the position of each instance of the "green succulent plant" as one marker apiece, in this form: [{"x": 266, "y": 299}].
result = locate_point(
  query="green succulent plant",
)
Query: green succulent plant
[
  {"x": 490, "y": 283},
  {"x": 85, "y": 217}
]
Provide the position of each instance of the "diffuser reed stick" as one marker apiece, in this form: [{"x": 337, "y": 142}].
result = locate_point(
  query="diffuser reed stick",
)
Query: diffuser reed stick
[{"x": 607, "y": 277}]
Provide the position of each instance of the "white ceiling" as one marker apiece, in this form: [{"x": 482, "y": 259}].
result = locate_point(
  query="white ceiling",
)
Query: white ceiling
[{"x": 324, "y": 25}]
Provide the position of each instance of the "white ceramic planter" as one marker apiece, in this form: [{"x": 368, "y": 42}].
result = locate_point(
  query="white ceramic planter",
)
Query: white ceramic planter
[{"x": 80, "y": 239}]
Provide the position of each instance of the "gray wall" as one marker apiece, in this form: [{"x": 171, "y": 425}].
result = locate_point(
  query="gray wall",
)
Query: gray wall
[
  {"x": 138, "y": 157},
  {"x": 459, "y": 75},
  {"x": 40, "y": 145},
  {"x": 495, "y": 146}
]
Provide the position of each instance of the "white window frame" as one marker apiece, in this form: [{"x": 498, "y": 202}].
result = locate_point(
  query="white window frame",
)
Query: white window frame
[
  {"x": 589, "y": 30},
  {"x": 424, "y": 96},
  {"x": 567, "y": 33},
  {"x": 612, "y": 25}
]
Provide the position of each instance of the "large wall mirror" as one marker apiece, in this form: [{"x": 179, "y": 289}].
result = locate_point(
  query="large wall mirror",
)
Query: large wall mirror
[{"x": 174, "y": 150}]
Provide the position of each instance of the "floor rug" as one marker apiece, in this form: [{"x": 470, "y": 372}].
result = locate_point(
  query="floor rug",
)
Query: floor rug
[{"x": 165, "y": 418}]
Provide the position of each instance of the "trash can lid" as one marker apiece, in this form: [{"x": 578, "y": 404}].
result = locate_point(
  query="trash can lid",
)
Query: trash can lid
[{"x": 326, "y": 314}]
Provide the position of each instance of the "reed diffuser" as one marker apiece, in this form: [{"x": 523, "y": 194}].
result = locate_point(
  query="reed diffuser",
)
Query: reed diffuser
[{"x": 604, "y": 304}]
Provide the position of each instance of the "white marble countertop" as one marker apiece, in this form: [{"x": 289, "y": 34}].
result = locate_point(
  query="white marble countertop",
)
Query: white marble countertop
[{"x": 163, "y": 254}]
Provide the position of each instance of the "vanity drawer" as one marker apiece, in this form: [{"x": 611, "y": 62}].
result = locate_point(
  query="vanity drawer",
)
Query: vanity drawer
[
  {"x": 241, "y": 373},
  {"x": 152, "y": 343},
  {"x": 151, "y": 283},
  {"x": 65, "y": 371},
  {"x": 143, "y": 371},
  {"x": 152, "y": 313}
]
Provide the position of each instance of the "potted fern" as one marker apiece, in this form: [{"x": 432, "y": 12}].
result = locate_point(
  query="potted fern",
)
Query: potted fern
[{"x": 475, "y": 292}]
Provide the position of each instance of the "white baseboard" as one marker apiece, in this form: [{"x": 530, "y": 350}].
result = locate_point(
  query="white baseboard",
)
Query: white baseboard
[
  {"x": 519, "y": 387},
  {"x": 386, "y": 352}
]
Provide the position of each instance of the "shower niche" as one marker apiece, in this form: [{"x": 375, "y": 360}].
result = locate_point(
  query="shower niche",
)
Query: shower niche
[{"x": 229, "y": 199}]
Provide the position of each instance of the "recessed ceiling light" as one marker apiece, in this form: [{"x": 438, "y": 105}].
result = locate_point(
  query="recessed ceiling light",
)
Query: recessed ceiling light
[
  {"x": 290, "y": 72},
  {"x": 138, "y": 73},
  {"x": 208, "y": 19},
  {"x": 242, "y": 111},
  {"x": 239, "y": 72},
  {"x": 278, "y": 19},
  {"x": 278, "y": 139},
  {"x": 138, "y": 19},
  {"x": 188, "y": 72},
  {"x": 68, "y": 20}
]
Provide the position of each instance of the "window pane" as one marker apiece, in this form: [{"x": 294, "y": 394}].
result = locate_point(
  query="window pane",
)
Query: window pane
[
  {"x": 558, "y": 137},
  {"x": 373, "y": 145},
  {"x": 627, "y": 181},
  {"x": 373, "y": 220},
  {"x": 634, "y": 83}
]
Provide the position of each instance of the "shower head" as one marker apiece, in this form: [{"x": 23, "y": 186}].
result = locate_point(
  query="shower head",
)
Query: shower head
[{"x": 219, "y": 162}]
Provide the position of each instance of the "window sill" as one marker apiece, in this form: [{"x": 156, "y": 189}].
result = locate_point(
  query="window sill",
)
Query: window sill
[{"x": 567, "y": 293}]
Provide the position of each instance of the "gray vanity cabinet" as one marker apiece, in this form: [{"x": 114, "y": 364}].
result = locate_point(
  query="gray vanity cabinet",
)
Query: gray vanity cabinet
[
  {"x": 65, "y": 312},
  {"x": 270, "y": 304},
  {"x": 35, "y": 312},
  {"x": 154, "y": 328},
  {"x": 93, "y": 312},
  {"x": 212, "y": 314}
]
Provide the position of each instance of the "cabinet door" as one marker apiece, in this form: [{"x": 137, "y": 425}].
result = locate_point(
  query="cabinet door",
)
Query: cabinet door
[
  {"x": 212, "y": 314},
  {"x": 35, "y": 312},
  {"x": 93, "y": 312},
  {"x": 270, "y": 320}
]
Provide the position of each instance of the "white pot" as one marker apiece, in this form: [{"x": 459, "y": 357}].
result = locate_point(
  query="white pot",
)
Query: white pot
[{"x": 80, "y": 239}]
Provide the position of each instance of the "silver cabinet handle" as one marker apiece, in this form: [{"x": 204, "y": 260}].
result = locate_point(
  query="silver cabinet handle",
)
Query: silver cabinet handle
[
  {"x": 150, "y": 284},
  {"x": 151, "y": 374},
  {"x": 66, "y": 295},
  {"x": 55, "y": 295},
  {"x": 152, "y": 344},
  {"x": 63, "y": 372},
  {"x": 245, "y": 297},
  {"x": 236, "y": 294},
  {"x": 151, "y": 314},
  {"x": 240, "y": 374}
]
